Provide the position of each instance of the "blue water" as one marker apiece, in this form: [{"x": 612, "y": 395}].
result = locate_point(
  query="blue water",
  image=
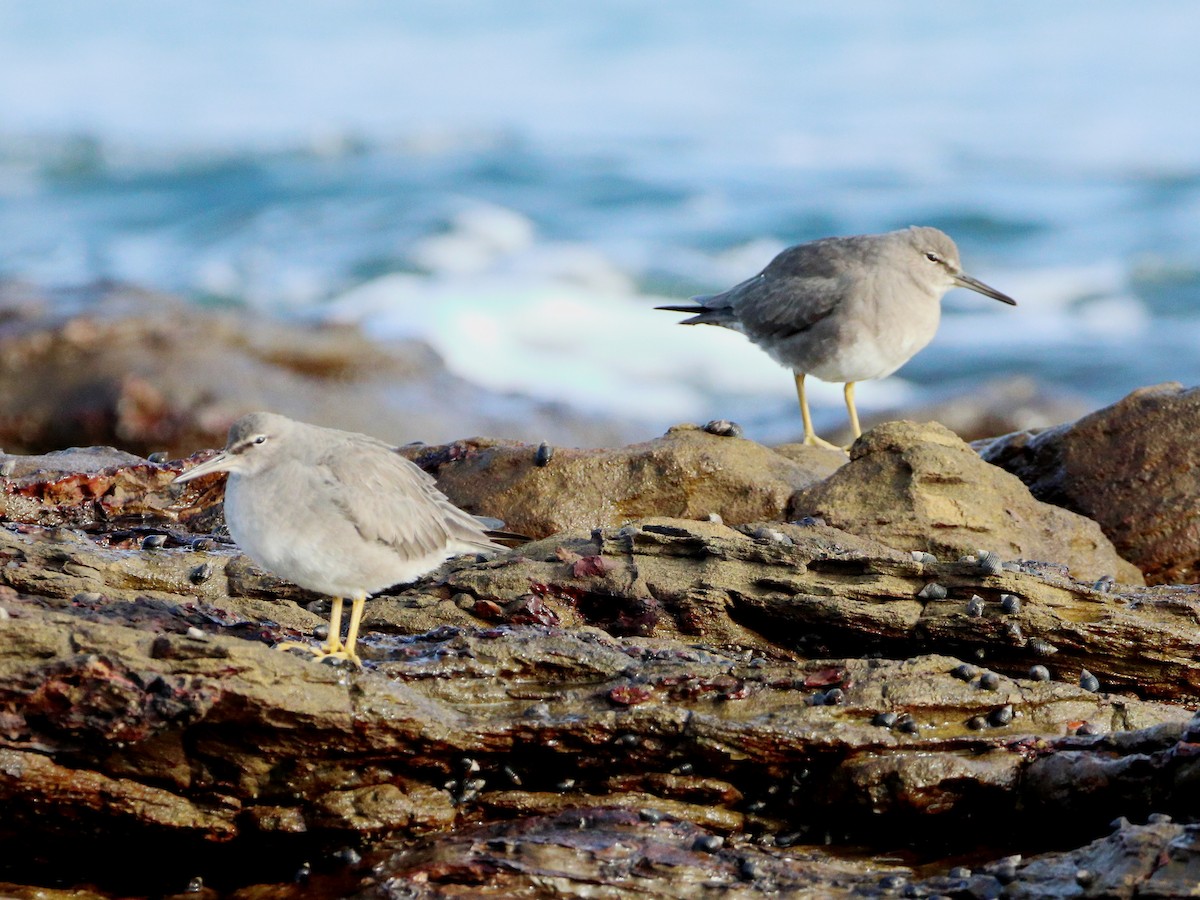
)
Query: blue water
[{"x": 520, "y": 183}]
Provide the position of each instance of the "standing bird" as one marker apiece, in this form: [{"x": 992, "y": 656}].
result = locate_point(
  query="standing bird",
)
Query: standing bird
[
  {"x": 335, "y": 512},
  {"x": 844, "y": 309}
]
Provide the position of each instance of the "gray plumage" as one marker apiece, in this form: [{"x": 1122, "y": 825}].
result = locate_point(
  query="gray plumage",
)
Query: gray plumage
[
  {"x": 336, "y": 512},
  {"x": 844, "y": 309}
]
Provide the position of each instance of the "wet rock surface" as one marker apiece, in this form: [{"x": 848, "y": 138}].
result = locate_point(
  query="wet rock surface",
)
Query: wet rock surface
[
  {"x": 644, "y": 702},
  {"x": 1132, "y": 467},
  {"x": 570, "y": 854}
]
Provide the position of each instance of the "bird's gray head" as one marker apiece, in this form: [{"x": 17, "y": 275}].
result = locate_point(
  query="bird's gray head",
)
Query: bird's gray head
[
  {"x": 254, "y": 440},
  {"x": 932, "y": 258}
]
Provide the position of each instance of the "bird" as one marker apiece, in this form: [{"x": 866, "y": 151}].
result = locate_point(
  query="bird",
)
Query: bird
[
  {"x": 336, "y": 512},
  {"x": 844, "y": 309}
]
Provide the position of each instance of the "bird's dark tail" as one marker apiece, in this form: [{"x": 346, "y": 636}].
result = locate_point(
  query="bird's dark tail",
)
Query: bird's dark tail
[
  {"x": 494, "y": 528},
  {"x": 701, "y": 315},
  {"x": 508, "y": 538}
]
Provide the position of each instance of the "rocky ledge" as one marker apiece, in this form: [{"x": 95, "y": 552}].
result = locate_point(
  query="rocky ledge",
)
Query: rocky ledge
[{"x": 718, "y": 669}]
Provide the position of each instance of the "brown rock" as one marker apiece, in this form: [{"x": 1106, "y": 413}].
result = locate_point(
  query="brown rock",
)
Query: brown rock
[
  {"x": 141, "y": 708},
  {"x": 998, "y": 406},
  {"x": 590, "y": 851},
  {"x": 148, "y": 372},
  {"x": 1132, "y": 467},
  {"x": 687, "y": 473},
  {"x": 91, "y": 485},
  {"x": 919, "y": 487}
]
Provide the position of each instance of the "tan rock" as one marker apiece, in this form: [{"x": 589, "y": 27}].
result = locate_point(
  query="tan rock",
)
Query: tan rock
[
  {"x": 1132, "y": 467},
  {"x": 919, "y": 487},
  {"x": 688, "y": 473}
]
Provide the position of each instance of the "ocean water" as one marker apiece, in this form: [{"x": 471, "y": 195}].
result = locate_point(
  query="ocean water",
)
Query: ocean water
[{"x": 521, "y": 183}]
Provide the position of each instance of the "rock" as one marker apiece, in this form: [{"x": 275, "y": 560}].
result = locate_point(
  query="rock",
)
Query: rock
[
  {"x": 587, "y": 848},
  {"x": 660, "y": 706},
  {"x": 919, "y": 487},
  {"x": 822, "y": 592},
  {"x": 999, "y": 406},
  {"x": 1132, "y": 467},
  {"x": 670, "y": 693},
  {"x": 687, "y": 473},
  {"x": 148, "y": 372},
  {"x": 72, "y": 461},
  {"x": 1158, "y": 859},
  {"x": 86, "y": 487}
]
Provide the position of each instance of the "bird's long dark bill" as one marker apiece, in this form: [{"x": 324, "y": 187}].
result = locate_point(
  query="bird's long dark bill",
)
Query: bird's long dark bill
[
  {"x": 219, "y": 463},
  {"x": 978, "y": 286}
]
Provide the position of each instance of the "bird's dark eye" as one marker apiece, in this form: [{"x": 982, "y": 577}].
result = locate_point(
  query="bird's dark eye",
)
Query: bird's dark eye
[
  {"x": 261, "y": 439},
  {"x": 933, "y": 257}
]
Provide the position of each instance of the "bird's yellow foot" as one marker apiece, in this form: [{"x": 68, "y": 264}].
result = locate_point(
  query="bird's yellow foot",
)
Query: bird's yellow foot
[
  {"x": 323, "y": 652},
  {"x": 811, "y": 440},
  {"x": 334, "y": 648}
]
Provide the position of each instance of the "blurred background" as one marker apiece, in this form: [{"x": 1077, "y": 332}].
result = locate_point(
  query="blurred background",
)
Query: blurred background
[{"x": 518, "y": 184}]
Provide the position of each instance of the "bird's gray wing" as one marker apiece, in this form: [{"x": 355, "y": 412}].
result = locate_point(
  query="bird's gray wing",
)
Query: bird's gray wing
[
  {"x": 800, "y": 287},
  {"x": 393, "y": 501},
  {"x": 726, "y": 300},
  {"x": 780, "y": 307}
]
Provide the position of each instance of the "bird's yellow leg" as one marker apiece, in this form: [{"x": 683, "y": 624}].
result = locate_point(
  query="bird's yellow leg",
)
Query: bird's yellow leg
[
  {"x": 334, "y": 644},
  {"x": 357, "y": 603},
  {"x": 851, "y": 409},
  {"x": 332, "y": 647},
  {"x": 810, "y": 436}
]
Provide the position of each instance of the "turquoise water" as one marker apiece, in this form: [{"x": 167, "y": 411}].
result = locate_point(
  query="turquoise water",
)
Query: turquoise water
[{"x": 520, "y": 183}]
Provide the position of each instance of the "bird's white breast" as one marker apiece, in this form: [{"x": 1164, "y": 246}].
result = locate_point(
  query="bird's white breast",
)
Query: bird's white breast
[{"x": 882, "y": 332}]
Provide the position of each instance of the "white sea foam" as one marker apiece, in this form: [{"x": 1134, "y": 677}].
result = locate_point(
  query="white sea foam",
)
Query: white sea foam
[
  {"x": 604, "y": 351},
  {"x": 479, "y": 236},
  {"x": 560, "y": 322}
]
